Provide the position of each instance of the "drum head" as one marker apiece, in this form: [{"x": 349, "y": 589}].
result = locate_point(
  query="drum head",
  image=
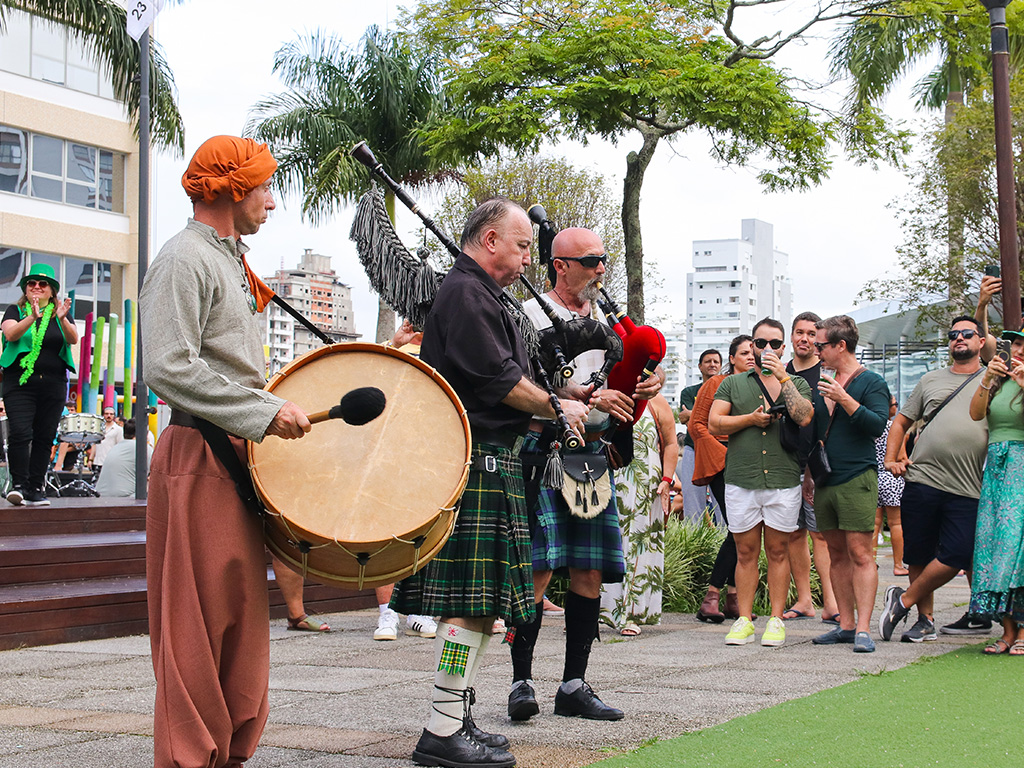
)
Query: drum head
[{"x": 362, "y": 486}]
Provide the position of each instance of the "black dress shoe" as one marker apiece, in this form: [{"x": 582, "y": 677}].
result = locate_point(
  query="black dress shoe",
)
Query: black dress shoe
[
  {"x": 460, "y": 750},
  {"x": 583, "y": 702},
  {"x": 522, "y": 702},
  {"x": 493, "y": 740}
]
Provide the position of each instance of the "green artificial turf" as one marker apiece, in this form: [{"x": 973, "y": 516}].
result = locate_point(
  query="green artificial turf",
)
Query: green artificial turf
[{"x": 958, "y": 709}]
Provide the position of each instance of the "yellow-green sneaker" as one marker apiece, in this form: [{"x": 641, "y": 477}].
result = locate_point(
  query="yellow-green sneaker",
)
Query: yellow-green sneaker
[
  {"x": 742, "y": 632},
  {"x": 775, "y": 633}
]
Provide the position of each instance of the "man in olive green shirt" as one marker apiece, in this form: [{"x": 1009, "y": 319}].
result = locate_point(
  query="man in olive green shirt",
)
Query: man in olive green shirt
[{"x": 762, "y": 480}]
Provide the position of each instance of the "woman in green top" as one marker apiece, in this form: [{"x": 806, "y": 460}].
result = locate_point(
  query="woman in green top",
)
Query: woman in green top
[
  {"x": 997, "y": 587},
  {"x": 37, "y": 334}
]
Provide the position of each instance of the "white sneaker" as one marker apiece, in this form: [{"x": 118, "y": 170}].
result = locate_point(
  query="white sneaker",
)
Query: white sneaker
[
  {"x": 420, "y": 626},
  {"x": 387, "y": 626}
]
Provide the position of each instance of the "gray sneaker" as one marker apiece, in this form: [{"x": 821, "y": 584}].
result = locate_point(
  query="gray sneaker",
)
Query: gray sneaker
[
  {"x": 923, "y": 629},
  {"x": 834, "y": 637},
  {"x": 892, "y": 613},
  {"x": 863, "y": 643}
]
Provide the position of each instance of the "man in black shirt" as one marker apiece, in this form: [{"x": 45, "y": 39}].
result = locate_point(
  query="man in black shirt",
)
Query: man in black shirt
[
  {"x": 484, "y": 570},
  {"x": 805, "y": 363},
  {"x": 696, "y": 497}
]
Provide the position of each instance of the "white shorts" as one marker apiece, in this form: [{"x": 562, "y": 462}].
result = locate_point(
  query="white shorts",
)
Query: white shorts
[{"x": 777, "y": 508}]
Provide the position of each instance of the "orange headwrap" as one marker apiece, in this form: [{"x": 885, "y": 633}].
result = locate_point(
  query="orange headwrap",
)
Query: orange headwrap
[{"x": 227, "y": 164}]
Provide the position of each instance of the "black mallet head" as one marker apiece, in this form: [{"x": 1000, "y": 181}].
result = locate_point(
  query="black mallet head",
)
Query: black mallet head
[{"x": 360, "y": 406}]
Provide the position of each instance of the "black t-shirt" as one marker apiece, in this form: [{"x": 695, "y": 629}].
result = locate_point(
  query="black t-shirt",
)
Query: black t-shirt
[
  {"x": 811, "y": 375},
  {"x": 472, "y": 341},
  {"x": 50, "y": 363}
]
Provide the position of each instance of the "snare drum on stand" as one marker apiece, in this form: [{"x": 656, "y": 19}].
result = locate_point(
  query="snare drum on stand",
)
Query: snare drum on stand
[
  {"x": 80, "y": 430},
  {"x": 363, "y": 506}
]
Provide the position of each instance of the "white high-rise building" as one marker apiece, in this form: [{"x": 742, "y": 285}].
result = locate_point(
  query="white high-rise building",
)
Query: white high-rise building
[
  {"x": 734, "y": 284},
  {"x": 312, "y": 289},
  {"x": 674, "y": 363}
]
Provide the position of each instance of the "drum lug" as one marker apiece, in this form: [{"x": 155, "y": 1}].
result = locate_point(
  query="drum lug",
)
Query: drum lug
[{"x": 490, "y": 464}]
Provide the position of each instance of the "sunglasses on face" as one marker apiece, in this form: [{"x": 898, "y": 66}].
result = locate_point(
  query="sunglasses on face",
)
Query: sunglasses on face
[
  {"x": 36, "y": 284},
  {"x": 967, "y": 334},
  {"x": 587, "y": 262},
  {"x": 820, "y": 345},
  {"x": 762, "y": 343}
]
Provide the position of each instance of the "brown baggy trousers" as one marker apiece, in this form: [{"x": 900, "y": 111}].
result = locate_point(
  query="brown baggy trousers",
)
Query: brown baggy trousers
[{"x": 208, "y": 614}]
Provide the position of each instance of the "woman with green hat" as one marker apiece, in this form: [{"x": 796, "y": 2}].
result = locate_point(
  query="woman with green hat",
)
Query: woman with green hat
[{"x": 37, "y": 339}]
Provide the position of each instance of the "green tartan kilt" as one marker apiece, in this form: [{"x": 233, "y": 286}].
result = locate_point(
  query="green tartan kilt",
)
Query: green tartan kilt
[{"x": 485, "y": 567}]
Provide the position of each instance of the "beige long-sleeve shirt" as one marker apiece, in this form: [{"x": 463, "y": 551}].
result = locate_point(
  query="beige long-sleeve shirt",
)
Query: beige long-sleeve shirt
[{"x": 201, "y": 343}]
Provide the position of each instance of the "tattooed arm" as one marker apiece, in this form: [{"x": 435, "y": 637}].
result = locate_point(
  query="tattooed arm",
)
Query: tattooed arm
[{"x": 798, "y": 405}]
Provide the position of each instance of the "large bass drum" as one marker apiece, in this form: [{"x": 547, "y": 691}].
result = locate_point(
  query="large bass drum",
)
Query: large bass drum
[{"x": 363, "y": 506}]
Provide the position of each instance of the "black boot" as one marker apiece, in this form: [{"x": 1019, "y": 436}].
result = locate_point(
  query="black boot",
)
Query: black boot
[
  {"x": 494, "y": 740},
  {"x": 460, "y": 750}
]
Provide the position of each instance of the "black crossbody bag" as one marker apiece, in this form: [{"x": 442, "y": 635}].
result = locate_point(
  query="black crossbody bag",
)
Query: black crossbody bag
[
  {"x": 817, "y": 462},
  {"x": 789, "y": 430},
  {"x": 912, "y": 440}
]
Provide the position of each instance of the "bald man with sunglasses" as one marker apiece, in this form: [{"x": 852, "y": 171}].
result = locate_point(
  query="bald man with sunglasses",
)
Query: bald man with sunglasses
[{"x": 762, "y": 480}]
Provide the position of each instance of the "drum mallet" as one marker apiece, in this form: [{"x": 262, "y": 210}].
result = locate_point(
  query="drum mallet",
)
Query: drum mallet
[{"x": 357, "y": 407}]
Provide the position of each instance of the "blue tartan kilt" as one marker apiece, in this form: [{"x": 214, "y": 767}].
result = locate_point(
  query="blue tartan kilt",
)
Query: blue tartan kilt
[
  {"x": 562, "y": 541},
  {"x": 484, "y": 567}
]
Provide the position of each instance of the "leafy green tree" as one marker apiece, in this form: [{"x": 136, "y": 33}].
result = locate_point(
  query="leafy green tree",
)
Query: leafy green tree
[
  {"x": 955, "y": 181},
  {"x": 99, "y": 25},
  {"x": 572, "y": 198},
  {"x": 642, "y": 70},
  {"x": 382, "y": 94}
]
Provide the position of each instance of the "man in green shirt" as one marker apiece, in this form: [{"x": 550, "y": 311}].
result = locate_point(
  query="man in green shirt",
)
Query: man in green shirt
[
  {"x": 695, "y": 497},
  {"x": 762, "y": 480}
]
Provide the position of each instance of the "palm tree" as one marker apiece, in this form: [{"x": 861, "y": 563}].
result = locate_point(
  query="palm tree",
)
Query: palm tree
[
  {"x": 334, "y": 99},
  {"x": 877, "y": 51},
  {"x": 99, "y": 25}
]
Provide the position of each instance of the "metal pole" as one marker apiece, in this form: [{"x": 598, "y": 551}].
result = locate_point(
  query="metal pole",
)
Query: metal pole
[
  {"x": 1008, "y": 254},
  {"x": 142, "y": 410}
]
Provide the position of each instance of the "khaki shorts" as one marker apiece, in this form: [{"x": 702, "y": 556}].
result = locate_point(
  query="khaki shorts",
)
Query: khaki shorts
[{"x": 849, "y": 506}]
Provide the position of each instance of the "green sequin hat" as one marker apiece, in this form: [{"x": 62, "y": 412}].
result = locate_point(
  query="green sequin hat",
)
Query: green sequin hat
[
  {"x": 45, "y": 272},
  {"x": 1011, "y": 335}
]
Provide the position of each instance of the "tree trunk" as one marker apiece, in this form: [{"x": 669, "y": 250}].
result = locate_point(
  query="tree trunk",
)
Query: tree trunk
[
  {"x": 386, "y": 315},
  {"x": 636, "y": 167}
]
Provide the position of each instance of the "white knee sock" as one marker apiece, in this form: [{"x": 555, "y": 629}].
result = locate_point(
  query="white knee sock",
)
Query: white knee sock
[{"x": 455, "y": 656}]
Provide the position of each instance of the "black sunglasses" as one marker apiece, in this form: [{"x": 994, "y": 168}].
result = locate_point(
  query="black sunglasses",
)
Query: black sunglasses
[
  {"x": 967, "y": 333},
  {"x": 762, "y": 343},
  {"x": 820, "y": 345},
  {"x": 587, "y": 262}
]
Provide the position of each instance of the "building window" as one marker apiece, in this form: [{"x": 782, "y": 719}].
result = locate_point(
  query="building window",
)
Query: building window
[
  {"x": 90, "y": 280},
  {"x": 63, "y": 171},
  {"x": 36, "y": 48}
]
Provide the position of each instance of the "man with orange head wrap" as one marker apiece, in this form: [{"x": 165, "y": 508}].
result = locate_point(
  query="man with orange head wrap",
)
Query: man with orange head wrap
[{"x": 205, "y": 561}]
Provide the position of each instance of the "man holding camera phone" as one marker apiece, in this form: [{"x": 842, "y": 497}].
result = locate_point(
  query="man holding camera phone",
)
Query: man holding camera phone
[
  {"x": 943, "y": 474},
  {"x": 762, "y": 480}
]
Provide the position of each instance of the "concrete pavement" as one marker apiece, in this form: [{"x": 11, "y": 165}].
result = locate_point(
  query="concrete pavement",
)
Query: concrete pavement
[{"x": 343, "y": 700}]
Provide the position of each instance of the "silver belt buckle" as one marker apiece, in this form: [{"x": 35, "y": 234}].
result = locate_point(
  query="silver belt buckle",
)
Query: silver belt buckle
[{"x": 490, "y": 464}]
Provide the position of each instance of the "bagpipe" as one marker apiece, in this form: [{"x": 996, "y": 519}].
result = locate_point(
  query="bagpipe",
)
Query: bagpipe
[
  {"x": 643, "y": 347},
  {"x": 409, "y": 285}
]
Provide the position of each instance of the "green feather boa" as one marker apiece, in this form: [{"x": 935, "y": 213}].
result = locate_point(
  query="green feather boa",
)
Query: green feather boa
[{"x": 38, "y": 331}]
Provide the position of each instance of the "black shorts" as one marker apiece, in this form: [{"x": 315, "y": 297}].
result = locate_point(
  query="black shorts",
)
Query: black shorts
[{"x": 937, "y": 525}]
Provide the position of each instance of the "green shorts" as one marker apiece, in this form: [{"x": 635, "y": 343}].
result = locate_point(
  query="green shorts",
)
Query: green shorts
[{"x": 849, "y": 506}]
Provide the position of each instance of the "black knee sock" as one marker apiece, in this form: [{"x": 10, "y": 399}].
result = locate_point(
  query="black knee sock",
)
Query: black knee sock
[
  {"x": 522, "y": 647},
  {"x": 581, "y": 617}
]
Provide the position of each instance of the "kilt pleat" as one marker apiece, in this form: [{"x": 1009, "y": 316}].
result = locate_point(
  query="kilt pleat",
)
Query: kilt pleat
[{"x": 484, "y": 569}]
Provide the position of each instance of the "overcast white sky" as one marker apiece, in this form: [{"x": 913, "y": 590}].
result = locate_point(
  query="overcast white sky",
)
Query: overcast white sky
[{"x": 838, "y": 236}]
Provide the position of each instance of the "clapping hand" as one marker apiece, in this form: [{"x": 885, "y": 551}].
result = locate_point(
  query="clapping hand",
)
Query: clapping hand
[{"x": 63, "y": 307}]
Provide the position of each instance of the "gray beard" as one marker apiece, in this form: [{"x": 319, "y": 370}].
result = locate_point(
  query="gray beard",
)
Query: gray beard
[
  {"x": 963, "y": 355},
  {"x": 590, "y": 293}
]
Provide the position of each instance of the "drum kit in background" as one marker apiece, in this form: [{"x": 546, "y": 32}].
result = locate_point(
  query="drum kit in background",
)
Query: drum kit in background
[{"x": 80, "y": 431}]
